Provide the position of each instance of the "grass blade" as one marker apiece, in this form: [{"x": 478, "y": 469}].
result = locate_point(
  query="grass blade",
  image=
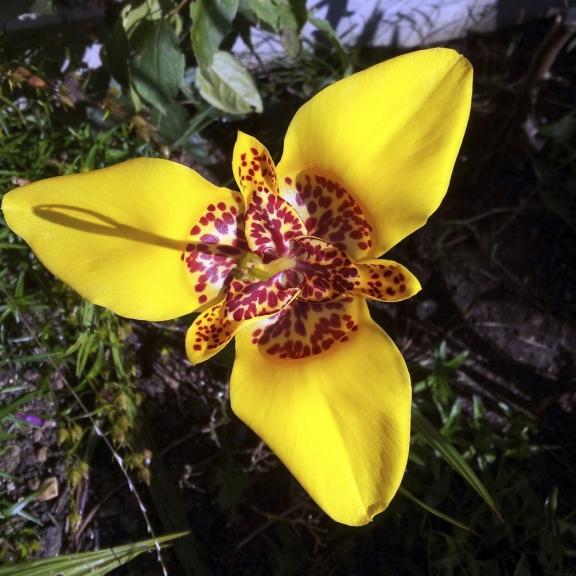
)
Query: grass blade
[
  {"x": 11, "y": 408},
  {"x": 96, "y": 563},
  {"x": 433, "y": 437},
  {"x": 433, "y": 511}
]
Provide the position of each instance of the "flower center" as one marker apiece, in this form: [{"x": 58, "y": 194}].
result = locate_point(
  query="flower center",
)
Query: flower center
[
  {"x": 252, "y": 268},
  {"x": 322, "y": 271}
]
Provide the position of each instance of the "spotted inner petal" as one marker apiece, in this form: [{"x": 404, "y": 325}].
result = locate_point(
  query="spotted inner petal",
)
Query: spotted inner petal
[
  {"x": 214, "y": 247},
  {"x": 328, "y": 211},
  {"x": 385, "y": 280},
  {"x": 271, "y": 223},
  {"x": 327, "y": 272},
  {"x": 247, "y": 300},
  {"x": 253, "y": 167},
  {"x": 244, "y": 301},
  {"x": 304, "y": 329}
]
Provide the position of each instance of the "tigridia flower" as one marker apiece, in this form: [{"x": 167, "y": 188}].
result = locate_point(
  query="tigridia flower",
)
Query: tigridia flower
[{"x": 285, "y": 265}]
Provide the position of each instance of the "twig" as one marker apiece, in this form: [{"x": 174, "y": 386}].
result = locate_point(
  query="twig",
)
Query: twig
[
  {"x": 177, "y": 8},
  {"x": 563, "y": 28},
  {"x": 271, "y": 518}
]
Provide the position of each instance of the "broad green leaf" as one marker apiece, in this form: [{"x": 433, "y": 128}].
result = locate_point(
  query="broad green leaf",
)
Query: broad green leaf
[
  {"x": 87, "y": 563},
  {"x": 285, "y": 17},
  {"x": 157, "y": 63},
  {"x": 211, "y": 22},
  {"x": 450, "y": 455},
  {"x": 131, "y": 16},
  {"x": 170, "y": 123},
  {"x": 228, "y": 86},
  {"x": 280, "y": 14},
  {"x": 267, "y": 12},
  {"x": 432, "y": 510}
]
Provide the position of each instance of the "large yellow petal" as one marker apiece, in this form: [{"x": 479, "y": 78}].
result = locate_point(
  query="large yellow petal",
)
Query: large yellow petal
[
  {"x": 339, "y": 420},
  {"x": 118, "y": 235},
  {"x": 389, "y": 135}
]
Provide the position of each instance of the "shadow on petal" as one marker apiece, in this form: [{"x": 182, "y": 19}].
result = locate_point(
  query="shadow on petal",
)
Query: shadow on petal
[{"x": 97, "y": 223}]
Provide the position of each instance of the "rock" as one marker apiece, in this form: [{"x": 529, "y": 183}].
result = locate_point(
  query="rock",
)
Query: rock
[
  {"x": 51, "y": 539},
  {"x": 49, "y": 490},
  {"x": 42, "y": 454},
  {"x": 521, "y": 332},
  {"x": 11, "y": 459}
]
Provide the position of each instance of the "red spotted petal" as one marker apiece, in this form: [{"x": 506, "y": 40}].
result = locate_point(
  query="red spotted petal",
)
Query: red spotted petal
[
  {"x": 209, "y": 333},
  {"x": 304, "y": 329},
  {"x": 271, "y": 223},
  {"x": 327, "y": 271},
  {"x": 247, "y": 300},
  {"x": 385, "y": 280},
  {"x": 253, "y": 167},
  {"x": 328, "y": 211},
  {"x": 213, "y": 329},
  {"x": 215, "y": 245}
]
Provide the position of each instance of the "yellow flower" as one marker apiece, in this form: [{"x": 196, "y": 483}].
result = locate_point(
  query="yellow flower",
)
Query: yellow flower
[{"x": 285, "y": 265}]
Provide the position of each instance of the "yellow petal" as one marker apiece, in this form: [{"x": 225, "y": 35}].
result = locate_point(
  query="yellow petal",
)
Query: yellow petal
[
  {"x": 389, "y": 135},
  {"x": 340, "y": 420},
  {"x": 385, "y": 280},
  {"x": 252, "y": 166},
  {"x": 118, "y": 235}
]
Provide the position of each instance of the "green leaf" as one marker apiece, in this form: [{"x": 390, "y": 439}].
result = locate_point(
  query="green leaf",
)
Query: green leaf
[
  {"x": 157, "y": 63},
  {"x": 228, "y": 86},
  {"x": 88, "y": 563},
  {"x": 133, "y": 15},
  {"x": 211, "y": 22},
  {"x": 285, "y": 17},
  {"x": 326, "y": 27},
  {"x": 171, "y": 123},
  {"x": 11, "y": 408},
  {"x": 451, "y": 456},
  {"x": 432, "y": 510},
  {"x": 193, "y": 142},
  {"x": 280, "y": 14}
]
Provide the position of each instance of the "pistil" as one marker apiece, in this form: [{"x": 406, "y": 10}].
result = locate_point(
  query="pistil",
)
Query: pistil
[{"x": 252, "y": 266}]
